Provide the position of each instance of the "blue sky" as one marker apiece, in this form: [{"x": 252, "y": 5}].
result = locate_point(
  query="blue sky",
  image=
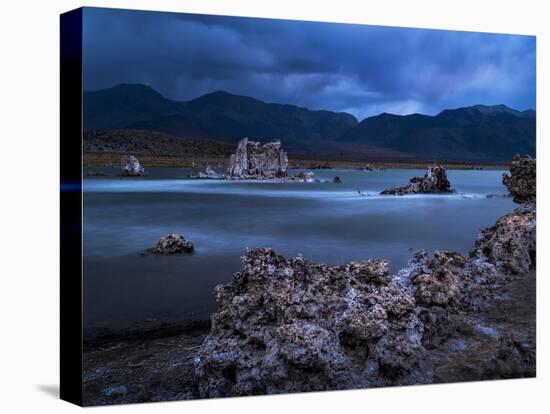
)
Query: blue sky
[{"x": 363, "y": 70}]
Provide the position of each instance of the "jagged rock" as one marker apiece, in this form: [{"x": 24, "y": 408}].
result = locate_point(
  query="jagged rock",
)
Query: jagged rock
[
  {"x": 445, "y": 284},
  {"x": 439, "y": 324},
  {"x": 337, "y": 180},
  {"x": 171, "y": 244},
  {"x": 210, "y": 174},
  {"x": 253, "y": 160},
  {"x": 434, "y": 280},
  {"x": 511, "y": 243},
  {"x": 131, "y": 167},
  {"x": 448, "y": 279},
  {"x": 293, "y": 326},
  {"x": 522, "y": 180},
  {"x": 434, "y": 181}
]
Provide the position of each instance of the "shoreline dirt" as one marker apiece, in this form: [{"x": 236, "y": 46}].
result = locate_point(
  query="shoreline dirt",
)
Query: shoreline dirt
[
  {"x": 147, "y": 364},
  {"x": 102, "y": 159}
]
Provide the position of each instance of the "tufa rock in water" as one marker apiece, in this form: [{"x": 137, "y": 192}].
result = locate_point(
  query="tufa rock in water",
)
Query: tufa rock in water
[
  {"x": 131, "y": 167},
  {"x": 253, "y": 160},
  {"x": 293, "y": 326},
  {"x": 210, "y": 174},
  {"x": 522, "y": 180},
  {"x": 434, "y": 181},
  {"x": 171, "y": 244}
]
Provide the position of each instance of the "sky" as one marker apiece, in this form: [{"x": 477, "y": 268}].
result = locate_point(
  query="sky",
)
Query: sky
[{"x": 360, "y": 69}]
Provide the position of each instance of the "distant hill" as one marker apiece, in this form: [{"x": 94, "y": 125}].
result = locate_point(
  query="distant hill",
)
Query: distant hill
[
  {"x": 477, "y": 133},
  {"x": 123, "y": 105}
]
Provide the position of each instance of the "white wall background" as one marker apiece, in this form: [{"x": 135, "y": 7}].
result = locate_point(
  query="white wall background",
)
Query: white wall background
[{"x": 29, "y": 203}]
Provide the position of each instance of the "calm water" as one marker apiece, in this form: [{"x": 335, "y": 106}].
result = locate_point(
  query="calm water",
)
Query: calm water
[{"x": 329, "y": 223}]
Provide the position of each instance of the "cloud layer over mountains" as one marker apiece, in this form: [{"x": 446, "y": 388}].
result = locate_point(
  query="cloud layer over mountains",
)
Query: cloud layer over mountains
[{"x": 363, "y": 70}]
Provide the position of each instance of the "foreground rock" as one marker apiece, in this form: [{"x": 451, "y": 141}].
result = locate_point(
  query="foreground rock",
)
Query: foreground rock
[
  {"x": 522, "y": 180},
  {"x": 131, "y": 167},
  {"x": 292, "y": 326},
  {"x": 256, "y": 161},
  {"x": 171, "y": 244},
  {"x": 511, "y": 243},
  {"x": 434, "y": 181}
]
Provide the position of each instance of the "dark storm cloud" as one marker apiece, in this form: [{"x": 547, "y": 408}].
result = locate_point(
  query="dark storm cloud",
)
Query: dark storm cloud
[{"x": 363, "y": 70}]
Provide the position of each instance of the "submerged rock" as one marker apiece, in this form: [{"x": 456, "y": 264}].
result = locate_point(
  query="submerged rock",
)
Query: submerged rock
[
  {"x": 306, "y": 177},
  {"x": 253, "y": 160},
  {"x": 522, "y": 180},
  {"x": 293, "y": 326},
  {"x": 131, "y": 167},
  {"x": 434, "y": 181},
  {"x": 171, "y": 244}
]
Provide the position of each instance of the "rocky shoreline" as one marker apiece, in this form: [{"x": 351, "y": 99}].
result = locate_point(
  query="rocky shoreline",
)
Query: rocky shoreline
[{"x": 290, "y": 325}]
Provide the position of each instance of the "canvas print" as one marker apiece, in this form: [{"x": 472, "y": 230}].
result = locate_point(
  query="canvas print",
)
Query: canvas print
[{"x": 277, "y": 206}]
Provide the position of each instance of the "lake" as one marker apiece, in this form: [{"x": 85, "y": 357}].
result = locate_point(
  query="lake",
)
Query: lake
[{"x": 325, "y": 222}]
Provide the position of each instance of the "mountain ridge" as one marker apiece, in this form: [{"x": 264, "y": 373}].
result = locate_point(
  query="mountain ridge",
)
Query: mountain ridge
[{"x": 472, "y": 133}]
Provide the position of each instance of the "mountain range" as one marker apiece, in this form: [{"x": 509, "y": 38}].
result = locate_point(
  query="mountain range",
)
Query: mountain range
[{"x": 476, "y": 133}]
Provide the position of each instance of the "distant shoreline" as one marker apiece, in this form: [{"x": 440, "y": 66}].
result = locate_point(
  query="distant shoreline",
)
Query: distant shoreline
[{"x": 106, "y": 159}]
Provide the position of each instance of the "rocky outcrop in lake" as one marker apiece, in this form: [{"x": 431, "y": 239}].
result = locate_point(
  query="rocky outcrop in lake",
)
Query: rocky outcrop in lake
[
  {"x": 434, "y": 181},
  {"x": 293, "y": 326},
  {"x": 252, "y": 160},
  {"x": 171, "y": 244},
  {"x": 131, "y": 167},
  {"x": 256, "y": 161},
  {"x": 522, "y": 180}
]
